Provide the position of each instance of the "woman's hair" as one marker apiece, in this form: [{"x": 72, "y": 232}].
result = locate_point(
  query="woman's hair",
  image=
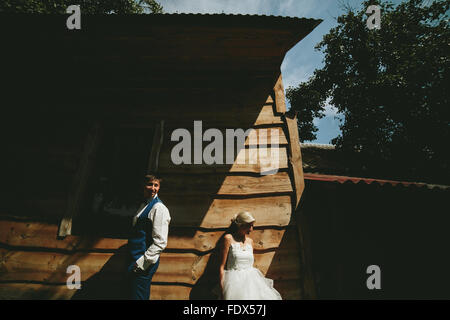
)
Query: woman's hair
[{"x": 242, "y": 218}]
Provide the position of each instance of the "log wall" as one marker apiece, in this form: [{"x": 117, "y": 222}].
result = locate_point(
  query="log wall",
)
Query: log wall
[{"x": 201, "y": 198}]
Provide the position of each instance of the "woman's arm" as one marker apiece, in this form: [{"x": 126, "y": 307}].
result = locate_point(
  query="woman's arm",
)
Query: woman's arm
[
  {"x": 225, "y": 246},
  {"x": 250, "y": 240}
]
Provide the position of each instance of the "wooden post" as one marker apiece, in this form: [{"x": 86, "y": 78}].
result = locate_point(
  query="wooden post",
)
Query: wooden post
[
  {"x": 80, "y": 181},
  {"x": 295, "y": 157},
  {"x": 280, "y": 103},
  {"x": 153, "y": 161}
]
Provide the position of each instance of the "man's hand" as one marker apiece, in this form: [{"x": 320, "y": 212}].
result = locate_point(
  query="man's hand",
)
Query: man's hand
[{"x": 137, "y": 270}]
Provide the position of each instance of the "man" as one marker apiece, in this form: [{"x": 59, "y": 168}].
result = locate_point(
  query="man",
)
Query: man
[{"x": 147, "y": 240}]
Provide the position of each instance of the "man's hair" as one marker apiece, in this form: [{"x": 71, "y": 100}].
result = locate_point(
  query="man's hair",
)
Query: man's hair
[{"x": 152, "y": 176}]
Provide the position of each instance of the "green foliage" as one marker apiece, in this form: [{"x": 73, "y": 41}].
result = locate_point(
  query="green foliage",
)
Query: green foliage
[
  {"x": 88, "y": 6},
  {"x": 391, "y": 84},
  {"x": 308, "y": 104},
  {"x": 154, "y": 6}
]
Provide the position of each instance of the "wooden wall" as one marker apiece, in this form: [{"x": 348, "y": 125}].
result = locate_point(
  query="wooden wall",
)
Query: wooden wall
[{"x": 201, "y": 198}]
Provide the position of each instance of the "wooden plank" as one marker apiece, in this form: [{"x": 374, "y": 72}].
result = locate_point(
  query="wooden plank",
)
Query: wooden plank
[
  {"x": 187, "y": 268},
  {"x": 267, "y": 159},
  {"x": 259, "y": 136},
  {"x": 154, "y": 78},
  {"x": 213, "y": 116},
  {"x": 50, "y": 267},
  {"x": 243, "y": 185},
  {"x": 50, "y": 208},
  {"x": 207, "y": 212},
  {"x": 174, "y": 267},
  {"x": 194, "y": 51},
  {"x": 244, "y": 162},
  {"x": 217, "y": 184},
  {"x": 33, "y": 234},
  {"x": 80, "y": 180},
  {"x": 42, "y": 236},
  {"x": 105, "y": 271},
  {"x": 145, "y": 72},
  {"x": 264, "y": 239},
  {"x": 191, "y": 212},
  {"x": 34, "y": 291},
  {"x": 295, "y": 158},
  {"x": 289, "y": 290},
  {"x": 255, "y": 160},
  {"x": 169, "y": 292},
  {"x": 280, "y": 103},
  {"x": 167, "y": 96},
  {"x": 266, "y": 136},
  {"x": 38, "y": 291}
]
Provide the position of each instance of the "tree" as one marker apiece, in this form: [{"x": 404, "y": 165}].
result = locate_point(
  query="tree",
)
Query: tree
[
  {"x": 391, "y": 85},
  {"x": 307, "y": 101},
  {"x": 88, "y": 6}
]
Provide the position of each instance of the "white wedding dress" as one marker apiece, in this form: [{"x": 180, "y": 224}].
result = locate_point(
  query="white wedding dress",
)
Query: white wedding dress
[{"x": 244, "y": 282}]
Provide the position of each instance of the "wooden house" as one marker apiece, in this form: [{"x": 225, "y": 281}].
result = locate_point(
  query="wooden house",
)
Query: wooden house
[{"x": 86, "y": 113}]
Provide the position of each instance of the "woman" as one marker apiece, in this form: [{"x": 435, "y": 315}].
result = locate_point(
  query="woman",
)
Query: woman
[{"x": 239, "y": 280}]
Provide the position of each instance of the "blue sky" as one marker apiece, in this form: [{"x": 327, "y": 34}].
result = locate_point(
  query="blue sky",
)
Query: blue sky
[{"x": 301, "y": 61}]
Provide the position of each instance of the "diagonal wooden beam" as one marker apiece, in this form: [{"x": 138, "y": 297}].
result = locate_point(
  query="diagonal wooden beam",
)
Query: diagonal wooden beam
[{"x": 80, "y": 180}]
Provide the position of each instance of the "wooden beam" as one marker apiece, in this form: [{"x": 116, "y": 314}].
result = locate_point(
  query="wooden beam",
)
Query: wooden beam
[
  {"x": 40, "y": 236},
  {"x": 254, "y": 139},
  {"x": 242, "y": 163},
  {"x": 50, "y": 267},
  {"x": 288, "y": 289},
  {"x": 280, "y": 103},
  {"x": 210, "y": 213},
  {"x": 295, "y": 156},
  {"x": 80, "y": 180},
  {"x": 158, "y": 139},
  {"x": 226, "y": 185},
  {"x": 223, "y": 116}
]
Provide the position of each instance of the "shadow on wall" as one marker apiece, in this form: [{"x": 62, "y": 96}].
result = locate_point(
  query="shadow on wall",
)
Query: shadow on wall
[
  {"x": 107, "y": 284},
  {"x": 285, "y": 268},
  {"x": 110, "y": 283},
  {"x": 208, "y": 287}
]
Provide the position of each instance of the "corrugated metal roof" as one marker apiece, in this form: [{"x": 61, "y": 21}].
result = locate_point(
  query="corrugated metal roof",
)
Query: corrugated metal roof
[
  {"x": 324, "y": 162},
  {"x": 343, "y": 179},
  {"x": 318, "y": 146},
  {"x": 134, "y": 22},
  {"x": 228, "y": 14}
]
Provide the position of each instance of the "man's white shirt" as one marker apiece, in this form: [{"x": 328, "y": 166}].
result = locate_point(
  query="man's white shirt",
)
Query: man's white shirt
[{"x": 160, "y": 217}]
